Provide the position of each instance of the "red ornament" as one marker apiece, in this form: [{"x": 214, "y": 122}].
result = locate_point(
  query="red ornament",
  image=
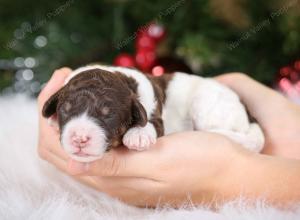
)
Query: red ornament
[
  {"x": 298, "y": 86},
  {"x": 144, "y": 41},
  {"x": 145, "y": 59},
  {"x": 294, "y": 76},
  {"x": 125, "y": 60},
  {"x": 158, "y": 71},
  {"x": 297, "y": 65},
  {"x": 289, "y": 81},
  {"x": 285, "y": 71},
  {"x": 156, "y": 32},
  {"x": 285, "y": 84}
]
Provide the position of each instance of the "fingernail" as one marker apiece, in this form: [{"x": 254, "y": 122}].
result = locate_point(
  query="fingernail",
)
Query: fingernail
[{"x": 77, "y": 167}]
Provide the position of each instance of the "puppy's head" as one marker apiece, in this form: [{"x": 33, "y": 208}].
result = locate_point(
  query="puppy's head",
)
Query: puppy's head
[{"x": 93, "y": 111}]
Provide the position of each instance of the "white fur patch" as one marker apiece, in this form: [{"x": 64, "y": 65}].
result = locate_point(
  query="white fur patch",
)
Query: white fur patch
[
  {"x": 145, "y": 90},
  {"x": 140, "y": 138},
  {"x": 252, "y": 140},
  {"x": 215, "y": 106},
  {"x": 196, "y": 103},
  {"x": 84, "y": 127},
  {"x": 179, "y": 95}
]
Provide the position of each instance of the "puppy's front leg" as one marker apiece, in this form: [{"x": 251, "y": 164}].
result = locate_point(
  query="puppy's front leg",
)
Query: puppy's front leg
[{"x": 140, "y": 138}]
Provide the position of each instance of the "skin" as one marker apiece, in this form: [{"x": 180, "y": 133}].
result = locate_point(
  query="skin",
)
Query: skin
[{"x": 197, "y": 167}]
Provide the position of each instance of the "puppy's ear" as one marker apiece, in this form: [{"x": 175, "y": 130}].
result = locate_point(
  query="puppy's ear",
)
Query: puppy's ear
[
  {"x": 139, "y": 115},
  {"x": 50, "y": 105}
]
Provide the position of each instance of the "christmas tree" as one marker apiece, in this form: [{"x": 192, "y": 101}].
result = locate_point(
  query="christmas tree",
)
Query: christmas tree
[{"x": 209, "y": 36}]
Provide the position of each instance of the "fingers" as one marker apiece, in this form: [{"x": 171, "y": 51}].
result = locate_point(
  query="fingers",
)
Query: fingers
[
  {"x": 49, "y": 144},
  {"x": 49, "y": 141},
  {"x": 121, "y": 162},
  {"x": 52, "y": 158},
  {"x": 61, "y": 164},
  {"x": 118, "y": 162},
  {"x": 262, "y": 102},
  {"x": 55, "y": 83},
  {"x": 131, "y": 190}
]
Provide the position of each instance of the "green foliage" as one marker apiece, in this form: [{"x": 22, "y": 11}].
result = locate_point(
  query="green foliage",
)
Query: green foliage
[{"x": 79, "y": 32}]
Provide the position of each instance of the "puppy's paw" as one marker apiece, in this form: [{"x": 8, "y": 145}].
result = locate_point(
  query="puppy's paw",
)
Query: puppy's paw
[{"x": 140, "y": 138}]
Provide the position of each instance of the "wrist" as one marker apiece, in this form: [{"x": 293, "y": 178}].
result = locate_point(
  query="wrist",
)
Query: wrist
[
  {"x": 234, "y": 180},
  {"x": 213, "y": 179},
  {"x": 257, "y": 176},
  {"x": 230, "y": 79}
]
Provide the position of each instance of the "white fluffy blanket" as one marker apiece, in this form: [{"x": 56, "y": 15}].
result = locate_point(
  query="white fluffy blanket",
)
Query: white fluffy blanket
[{"x": 32, "y": 189}]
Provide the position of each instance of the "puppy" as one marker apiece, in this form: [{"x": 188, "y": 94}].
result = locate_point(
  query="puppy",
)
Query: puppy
[{"x": 101, "y": 107}]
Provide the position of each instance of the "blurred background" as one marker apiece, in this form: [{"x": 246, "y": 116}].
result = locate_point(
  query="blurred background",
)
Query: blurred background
[{"x": 204, "y": 37}]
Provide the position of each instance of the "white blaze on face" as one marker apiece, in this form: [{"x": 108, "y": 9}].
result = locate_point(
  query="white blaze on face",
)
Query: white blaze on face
[{"x": 83, "y": 139}]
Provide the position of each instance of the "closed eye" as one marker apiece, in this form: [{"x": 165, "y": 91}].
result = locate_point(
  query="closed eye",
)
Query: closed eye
[{"x": 110, "y": 116}]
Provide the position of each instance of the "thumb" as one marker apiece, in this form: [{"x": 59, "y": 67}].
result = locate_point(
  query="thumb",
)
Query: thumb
[
  {"x": 108, "y": 165},
  {"x": 76, "y": 168},
  {"x": 117, "y": 162},
  {"x": 55, "y": 83}
]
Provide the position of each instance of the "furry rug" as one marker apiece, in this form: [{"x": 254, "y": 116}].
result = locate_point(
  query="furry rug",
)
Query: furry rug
[{"x": 32, "y": 189}]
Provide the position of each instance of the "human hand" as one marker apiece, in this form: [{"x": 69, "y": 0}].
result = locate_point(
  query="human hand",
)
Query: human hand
[
  {"x": 179, "y": 168},
  {"x": 48, "y": 136},
  {"x": 179, "y": 164},
  {"x": 279, "y": 117}
]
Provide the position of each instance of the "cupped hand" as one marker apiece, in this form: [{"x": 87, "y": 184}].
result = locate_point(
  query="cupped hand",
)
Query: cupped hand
[
  {"x": 279, "y": 117},
  {"x": 182, "y": 167},
  {"x": 48, "y": 136}
]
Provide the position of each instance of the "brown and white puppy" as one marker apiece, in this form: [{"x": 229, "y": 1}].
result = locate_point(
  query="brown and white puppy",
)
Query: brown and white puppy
[{"x": 101, "y": 107}]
